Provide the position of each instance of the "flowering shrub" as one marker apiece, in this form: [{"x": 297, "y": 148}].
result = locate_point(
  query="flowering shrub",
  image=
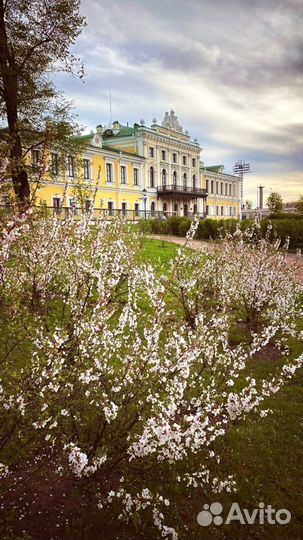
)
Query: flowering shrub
[{"x": 117, "y": 377}]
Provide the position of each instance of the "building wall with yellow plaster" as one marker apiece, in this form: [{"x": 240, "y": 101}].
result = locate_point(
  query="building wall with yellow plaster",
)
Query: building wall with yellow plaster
[{"x": 102, "y": 187}]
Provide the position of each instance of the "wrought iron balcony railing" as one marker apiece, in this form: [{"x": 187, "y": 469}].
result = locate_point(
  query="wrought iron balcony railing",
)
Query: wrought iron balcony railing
[{"x": 180, "y": 189}]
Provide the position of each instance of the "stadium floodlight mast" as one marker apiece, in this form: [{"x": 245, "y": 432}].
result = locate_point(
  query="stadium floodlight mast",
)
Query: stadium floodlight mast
[{"x": 241, "y": 168}]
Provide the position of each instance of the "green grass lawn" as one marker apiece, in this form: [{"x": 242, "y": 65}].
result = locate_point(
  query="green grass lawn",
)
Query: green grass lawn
[
  {"x": 158, "y": 253},
  {"x": 264, "y": 454}
]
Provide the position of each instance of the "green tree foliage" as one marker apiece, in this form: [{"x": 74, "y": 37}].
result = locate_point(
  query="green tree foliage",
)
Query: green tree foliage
[
  {"x": 35, "y": 41},
  {"x": 275, "y": 202}
]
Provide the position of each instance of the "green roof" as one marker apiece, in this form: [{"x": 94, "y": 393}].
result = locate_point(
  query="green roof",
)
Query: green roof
[
  {"x": 120, "y": 151},
  {"x": 214, "y": 168}
]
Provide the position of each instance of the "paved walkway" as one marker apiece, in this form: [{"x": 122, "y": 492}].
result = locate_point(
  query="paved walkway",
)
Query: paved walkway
[{"x": 197, "y": 244}]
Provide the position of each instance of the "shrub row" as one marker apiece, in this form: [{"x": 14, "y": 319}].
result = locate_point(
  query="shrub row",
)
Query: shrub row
[{"x": 212, "y": 228}]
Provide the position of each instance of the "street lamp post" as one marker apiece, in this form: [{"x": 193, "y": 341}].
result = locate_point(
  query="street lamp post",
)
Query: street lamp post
[{"x": 144, "y": 198}]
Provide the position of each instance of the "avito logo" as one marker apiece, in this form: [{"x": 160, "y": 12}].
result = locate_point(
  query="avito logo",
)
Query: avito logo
[{"x": 263, "y": 514}]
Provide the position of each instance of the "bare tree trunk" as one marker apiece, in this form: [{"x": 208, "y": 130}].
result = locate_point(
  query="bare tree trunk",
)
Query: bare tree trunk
[{"x": 8, "y": 72}]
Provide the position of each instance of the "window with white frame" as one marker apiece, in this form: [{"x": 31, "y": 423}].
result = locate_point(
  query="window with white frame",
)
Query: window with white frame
[
  {"x": 110, "y": 208},
  {"x": 151, "y": 151},
  {"x": 109, "y": 172},
  {"x": 184, "y": 160},
  {"x": 36, "y": 155},
  {"x": 163, "y": 155},
  {"x": 124, "y": 208},
  {"x": 174, "y": 157},
  {"x": 123, "y": 174},
  {"x": 71, "y": 166},
  {"x": 194, "y": 162},
  {"x": 54, "y": 163},
  {"x": 151, "y": 177},
  {"x": 136, "y": 177},
  {"x": 86, "y": 169}
]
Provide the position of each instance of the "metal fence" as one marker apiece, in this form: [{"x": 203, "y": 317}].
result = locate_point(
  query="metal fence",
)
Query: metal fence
[{"x": 68, "y": 212}]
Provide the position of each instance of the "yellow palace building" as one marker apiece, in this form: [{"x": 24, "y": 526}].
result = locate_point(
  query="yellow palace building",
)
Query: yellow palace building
[{"x": 140, "y": 171}]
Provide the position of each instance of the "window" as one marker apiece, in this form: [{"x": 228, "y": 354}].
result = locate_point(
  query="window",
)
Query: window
[
  {"x": 194, "y": 183},
  {"x": 222, "y": 210},
  {"x": 195, "y": 208},
  {"x": 163, "y": 177},
  {"x": 229, "y": 190},
  {"x": 57, "y": 204},
  {"x": 137, "y": 209},
  {"x": 74, "y": 210},
  {"x": 123, "y": 174},
  {"x": 124, "y": 208},
  {"x": 136, "y": 177},
  {"x": 86, "y": 169},
  {"x": 174, "y": 157},
  {"x": 185, "y": 210},
  {"x": 151, "y": 152},
  {"x": 163, "y": 155},
  {"x": 212, "y": 187},
  {"x": 184, "y": 181},
  {"x": 175, "y": 179},
  {"x": 71, "y": 166},
  {"x": 109, "y": 172},
  {"x": 207, "y": 185},
  {"x": 176, "y": 209},
  {"x": 217, "y": 188},
  {"x": 54, "y": 163},
  {"x": 152, "y": 209},
  {"x": 164, "y": 207},
  {"x": 217, "y": 210},
  {"x": 184, "y": 160},
  {"x": 110, "y": 207},
  {"x": 35, "y": 159},
  {"x": 230, "y": 210},
  {"x": 221, "y": 188},
  {"x": 152, "y": 177},
  {"x": 207, "y": 210},
  {"x": 226, "y": 189},
  {"x": 194, "y": 162},
  {"x": 88, "y": 205}
]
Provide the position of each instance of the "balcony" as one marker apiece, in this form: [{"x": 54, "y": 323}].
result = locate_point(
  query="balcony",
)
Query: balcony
[{"x": 189, "y": 192}]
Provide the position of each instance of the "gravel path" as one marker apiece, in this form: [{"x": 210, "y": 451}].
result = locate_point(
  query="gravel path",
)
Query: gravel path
[{"x": 197, "y": 244}]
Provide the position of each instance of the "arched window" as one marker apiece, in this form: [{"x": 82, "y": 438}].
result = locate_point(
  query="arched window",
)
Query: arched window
[
  {"x": 194, "y": 183},
  {"x": 185, "y": 210},
  {"x": 152, "y": 177},
  {"x": 195, "y": 209},
  {"x": 164, "y": 208},
  {"x": 175, "y": 179},
  {"x": 176, "y": 209},
  {"x": 185, "y": 181},
  {"x": 152, "y": 209},
  {"x": 163, "y": 177}
]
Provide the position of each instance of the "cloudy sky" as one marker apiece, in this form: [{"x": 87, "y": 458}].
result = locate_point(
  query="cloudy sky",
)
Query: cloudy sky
[{"x": 230, "y": 69}]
